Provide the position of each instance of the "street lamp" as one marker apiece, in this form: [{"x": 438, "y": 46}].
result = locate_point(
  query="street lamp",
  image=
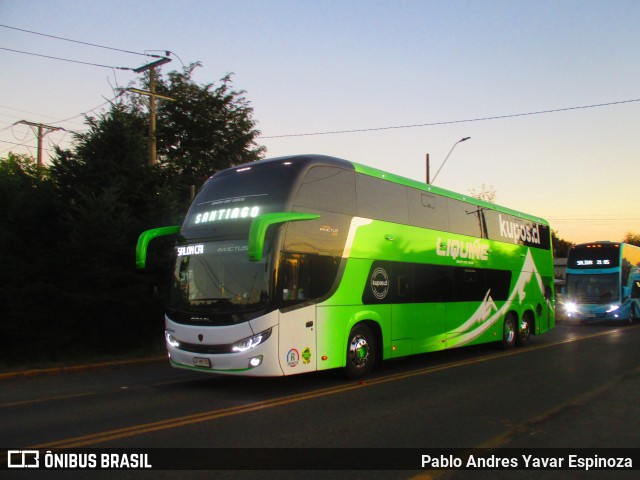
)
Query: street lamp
[{"x": 447, "y": 157}]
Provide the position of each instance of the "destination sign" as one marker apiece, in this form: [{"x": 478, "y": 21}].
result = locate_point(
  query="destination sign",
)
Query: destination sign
[
  {"x": 223, "y": 214},
  {"x": 591, "y": 263}
]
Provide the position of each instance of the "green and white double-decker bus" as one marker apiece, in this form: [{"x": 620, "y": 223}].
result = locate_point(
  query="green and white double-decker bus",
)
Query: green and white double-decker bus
[{"x": 306, "y": 263}]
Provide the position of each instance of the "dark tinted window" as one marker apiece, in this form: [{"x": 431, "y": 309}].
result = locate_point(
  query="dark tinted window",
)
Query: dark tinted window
[
  {"x": 381, "y": 200},
  {"x": 511, "y": 229},
  {"x": 433, "y": 283},
  {"x": 427, "y": 210},
  {"x": 465, "y": 218},
  {"x": 469, "y": 284},
  {"x": 325, "y": 236},
  {"x": 499, "y": 282},
  {"x": 328, "y": 188},
  {"x": 399, "y": 282},
  {"x": 302, "y": 278}
]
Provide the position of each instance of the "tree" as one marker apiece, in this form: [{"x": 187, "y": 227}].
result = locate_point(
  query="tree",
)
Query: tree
[
  {"x": 632, "y": 238},
  {"x": 25, "y": 212},
  {"x": 71, "y": 285},
  {"x": 75, "y": 287},
  {"x": 485, "y": 192},
  {"x": 560, "y": 246},
  {"x": 110, "y": 160},
  {"x": 29, "y": 221},
  {"x": 205, "y": 129}
]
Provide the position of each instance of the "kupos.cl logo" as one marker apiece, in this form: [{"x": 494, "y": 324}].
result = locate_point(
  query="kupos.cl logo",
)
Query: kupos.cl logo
[
  {"x": 518, "y": 232},
  {"x": 379, "y": 283}
]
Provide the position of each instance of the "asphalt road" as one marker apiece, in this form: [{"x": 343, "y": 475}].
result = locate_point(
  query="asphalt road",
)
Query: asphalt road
[{"x": 575, "y": 387}]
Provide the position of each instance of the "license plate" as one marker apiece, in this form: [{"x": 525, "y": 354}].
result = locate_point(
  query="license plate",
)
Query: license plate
[{"x": 201, "y": 362}]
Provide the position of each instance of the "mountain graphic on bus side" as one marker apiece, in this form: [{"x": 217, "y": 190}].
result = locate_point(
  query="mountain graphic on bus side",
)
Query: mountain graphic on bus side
[{"x": 488, "y": 313}]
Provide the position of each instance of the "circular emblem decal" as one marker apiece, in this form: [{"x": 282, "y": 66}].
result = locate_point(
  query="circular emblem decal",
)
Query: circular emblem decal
[
  {"x": 380, "y": 283},
  {"x": 293, "y": 357},
  {"x": 306, "y": 356}
]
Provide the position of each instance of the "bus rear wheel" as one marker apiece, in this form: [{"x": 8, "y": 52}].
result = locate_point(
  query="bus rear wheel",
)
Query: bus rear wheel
[
  {"x": 509, "y": 331},
  {"x": 361, "y": 352}
]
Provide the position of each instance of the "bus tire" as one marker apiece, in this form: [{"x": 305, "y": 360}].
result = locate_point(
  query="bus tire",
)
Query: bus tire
[
  {"x": 509, "y": 331},
  {"x": 361, "y": 352},
  {"x": 524, "y": 332}
]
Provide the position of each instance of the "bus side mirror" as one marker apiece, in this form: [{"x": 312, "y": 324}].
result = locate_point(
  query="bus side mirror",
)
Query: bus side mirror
[
  {"x": 259, "y": 226},
  {"x": 146, "y": 237}
]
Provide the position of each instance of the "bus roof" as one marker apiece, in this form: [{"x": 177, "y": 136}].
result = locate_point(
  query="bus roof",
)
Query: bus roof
[{"x": 315, "y": 159}]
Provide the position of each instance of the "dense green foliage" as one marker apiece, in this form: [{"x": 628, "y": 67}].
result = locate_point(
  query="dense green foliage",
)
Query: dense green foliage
[
  {"x": 68, "y": 236},
  {"x": 632, "y": 238},
  {"x": 560, "y": 246}
]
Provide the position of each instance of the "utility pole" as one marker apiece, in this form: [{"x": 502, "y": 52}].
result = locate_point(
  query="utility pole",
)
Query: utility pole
[
  {"x": 152, "y": 103},
  {"x": 152, "y": 118},
  {"x": 41, "y": 131},
  {"x": 427, "y": 162}
]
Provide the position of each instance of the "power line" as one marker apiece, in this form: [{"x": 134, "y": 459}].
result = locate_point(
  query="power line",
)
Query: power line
[
  {"x": 81, "y": 42},
  {"x": 90, "y": 110},
  {"x": 450, "y": 122},
  {"x": 33, "y": 113},
  {"x": 20, "y": 145},
  {"x": 64, "y": 59},
  {"x": 65, "y": 119},
  {"x": 592, "y": 220}
]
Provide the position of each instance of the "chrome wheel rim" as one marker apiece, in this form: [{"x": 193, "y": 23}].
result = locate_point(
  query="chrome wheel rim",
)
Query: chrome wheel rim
[
  {"x": 359, "y": 351},
  {"x": 524, "y": 329},
  {"x": 509, "y": 331}
]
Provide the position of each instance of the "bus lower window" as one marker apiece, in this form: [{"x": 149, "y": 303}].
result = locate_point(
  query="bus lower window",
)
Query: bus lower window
[{"x": 304, "y": 277}]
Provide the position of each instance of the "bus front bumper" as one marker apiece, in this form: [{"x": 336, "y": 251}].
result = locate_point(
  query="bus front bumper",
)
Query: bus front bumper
[
  {"x": 259, "y": 360},
  {"x": 594, "y": 313}
]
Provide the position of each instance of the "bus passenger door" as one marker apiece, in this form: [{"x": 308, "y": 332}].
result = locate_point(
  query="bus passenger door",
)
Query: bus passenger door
[
  {"x": 418, "y": 317},
  {"x": 297, "y": 340},
  {"x": 297, "y": 323}
]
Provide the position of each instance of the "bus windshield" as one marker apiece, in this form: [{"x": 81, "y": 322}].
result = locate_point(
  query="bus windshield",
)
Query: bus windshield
[
  {"x": 594, "y": 289},
  {"x": 214, "y": 279},
  {"x": 230, "y": 200}
]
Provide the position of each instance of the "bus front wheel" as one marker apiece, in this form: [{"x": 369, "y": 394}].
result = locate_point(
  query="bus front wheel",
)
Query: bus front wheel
[
  {"x": 509, "y": 332},
  {"x": 361, "y": 352}
]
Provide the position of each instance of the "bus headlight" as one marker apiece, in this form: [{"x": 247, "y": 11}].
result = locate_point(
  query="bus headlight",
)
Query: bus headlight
[
  {"x": 171, "y": 341},
  {"x": 255, "y": 361},
  {"x": 251, "y": 342},
  {"x": 570, "y": 307},
  {"x": 613, "y": 308}
]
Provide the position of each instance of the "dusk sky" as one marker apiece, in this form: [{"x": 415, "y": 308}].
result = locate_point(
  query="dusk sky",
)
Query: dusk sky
[{"x": 548, "y": 91}]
